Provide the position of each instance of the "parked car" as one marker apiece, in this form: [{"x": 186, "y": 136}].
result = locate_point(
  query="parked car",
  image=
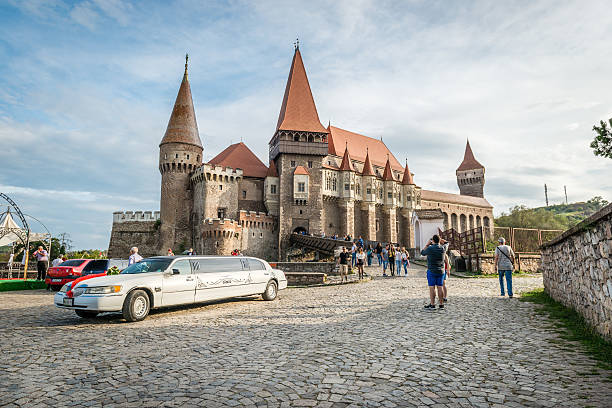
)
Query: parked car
[
  {"x": 171, "y": 280},
  {"x": 72, "y": 269}
]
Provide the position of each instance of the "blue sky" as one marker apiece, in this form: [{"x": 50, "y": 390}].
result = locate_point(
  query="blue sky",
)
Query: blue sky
[{"x": 87, "y": 87}]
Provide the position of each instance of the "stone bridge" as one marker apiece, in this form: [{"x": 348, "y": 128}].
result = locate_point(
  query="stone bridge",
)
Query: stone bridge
[{"x": 324, "y": 246}]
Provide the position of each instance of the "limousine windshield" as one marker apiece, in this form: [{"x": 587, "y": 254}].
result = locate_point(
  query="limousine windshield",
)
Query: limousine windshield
[{"x": 147, "y": 265}]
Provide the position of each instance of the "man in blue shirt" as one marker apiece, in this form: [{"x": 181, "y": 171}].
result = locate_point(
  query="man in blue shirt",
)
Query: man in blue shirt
[{"x": 435, "y": 270}]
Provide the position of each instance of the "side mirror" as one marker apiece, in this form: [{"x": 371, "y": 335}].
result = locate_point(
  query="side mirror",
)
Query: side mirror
[{"x": 176, "y": 272}]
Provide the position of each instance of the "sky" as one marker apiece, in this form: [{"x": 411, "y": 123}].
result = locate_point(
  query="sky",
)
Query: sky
[{"x": 87, "y": 88}]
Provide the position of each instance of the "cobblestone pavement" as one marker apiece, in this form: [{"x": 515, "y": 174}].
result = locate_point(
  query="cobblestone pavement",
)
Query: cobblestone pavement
[{"x": 361, "y": 345}]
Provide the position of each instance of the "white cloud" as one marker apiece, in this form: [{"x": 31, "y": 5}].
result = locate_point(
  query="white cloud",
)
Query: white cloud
[{"x": 85, "y": 15}]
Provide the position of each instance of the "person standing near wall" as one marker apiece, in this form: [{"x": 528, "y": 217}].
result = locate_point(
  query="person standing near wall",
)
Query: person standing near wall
[
  {"x": 405, "y": 257},
  {"x": 360, "y": 262},
  {"x": 384, "y": 255},
  {"x": 504, "y": 265},
  {"x": 134, "y": 256},
  {"x": 378, "y": 251}
]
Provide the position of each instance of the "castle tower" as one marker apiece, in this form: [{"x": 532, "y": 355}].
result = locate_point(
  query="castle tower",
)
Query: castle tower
[
  {"x": 347, "y": 190},
  {"x": 470, "y": 175},
  {"x": 180, "y": 153},
  {"x": 390, "y": 187},
  {"x": 300, "y": 140},
  {"x": 368, "y": 205},
  {"x": 409, "y": 193}
]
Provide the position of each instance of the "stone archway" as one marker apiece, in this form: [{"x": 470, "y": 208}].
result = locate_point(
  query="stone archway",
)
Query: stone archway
[{"x": 300, "y": 230}]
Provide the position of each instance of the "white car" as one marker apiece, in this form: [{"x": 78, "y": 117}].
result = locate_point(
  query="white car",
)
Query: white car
[{"x": 171, "y": 280}]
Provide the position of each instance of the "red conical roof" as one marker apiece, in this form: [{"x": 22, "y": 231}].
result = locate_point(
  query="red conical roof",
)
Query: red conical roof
[
  {"x": 469, "y": 161},
  {"x": 346, "y": 164},
  {"x": 182, "y": 126},
  {"x": 298, "y": 111},
  {"x": 388, "y": 174},
  {"x": 407, "y": 179},
  {"x": 368, "y": 170},
  {"x": 239, "y": 156},
  {"x": 272, "y": 172}
]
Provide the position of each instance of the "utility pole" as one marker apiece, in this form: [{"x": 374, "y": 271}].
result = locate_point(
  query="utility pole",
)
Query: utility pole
[
  {"x": 546, "y": 194},
  {"x": 565, "y": 188}
]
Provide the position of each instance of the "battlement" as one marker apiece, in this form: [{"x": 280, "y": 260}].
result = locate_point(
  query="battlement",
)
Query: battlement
[
  {"x": 252, "y": 219},
  {"x": 221, "y": 228},
  {"x": 210, "y": 172},
  {"x": 133, "y": 216}
]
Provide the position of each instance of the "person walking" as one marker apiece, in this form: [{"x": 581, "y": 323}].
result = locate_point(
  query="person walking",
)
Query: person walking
[
  {"x": 447, "y": 269},
  {"x": 134, "y": 256},
  {"x": 353, "y": 255},
  {"x": 392, "y": 259},
  {"x": 384, "y": 253},
  {"x": 378, "y": 251},
  {"x": 360, "y": 262},
  {"x": 343, "y": 264},
  {"x": 398, "y": 260},
  {"x": 504, "y": 264},
  {"x": 405, "y": 257},
  {"x": 435, "y": 271},
  {"x": 369, "y": 254},
  {"x": 42, "y": 257}
]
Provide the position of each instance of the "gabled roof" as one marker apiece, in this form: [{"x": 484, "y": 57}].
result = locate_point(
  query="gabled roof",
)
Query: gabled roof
[
  {"x": 272, "y": 172},
  {"x": 388, "y": 174},
  {"x": 368, "y": 170},
  {"x": 182, "y": 126},
  {"x": 429, "y": 195},
  {"x": 346, "y": 164},
  {"x": 359, "y": 146},
  {"x": 298, "y": 110},
  {"x": 301, "y": 170},
  {"x": 239, "y": 156},
  {"x": 469, "y": 161},
  {"x": 407, "y": 179}
]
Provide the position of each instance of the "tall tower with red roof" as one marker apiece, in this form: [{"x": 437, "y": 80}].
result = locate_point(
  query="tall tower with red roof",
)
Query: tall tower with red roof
[
  {"x": 470, "y": 175},
  {"x": 180, "y": 153},
  {"x": 297, "y": 149}
]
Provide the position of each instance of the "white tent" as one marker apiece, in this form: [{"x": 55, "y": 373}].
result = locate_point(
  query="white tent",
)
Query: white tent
[{"x": 10, "y": 232}]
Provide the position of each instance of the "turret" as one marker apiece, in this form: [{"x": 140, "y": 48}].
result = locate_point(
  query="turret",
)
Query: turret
[
  {"x": 389, "y": 183},
  {"x": 347, "y": 176},
  {"x": 271, "y": 189},
  {"x": 180, "y": 153},
  {"x": 368, "y": 177},
  {"x": 470, "y": 175}
]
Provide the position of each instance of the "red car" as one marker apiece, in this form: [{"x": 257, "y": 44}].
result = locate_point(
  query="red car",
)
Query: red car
[{"x": 71, "y": 269}]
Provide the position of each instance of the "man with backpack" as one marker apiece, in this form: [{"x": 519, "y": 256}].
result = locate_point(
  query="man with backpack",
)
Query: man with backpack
[
  {"x": 435, "y": 251},
  {"x": 504, "y": 264}
]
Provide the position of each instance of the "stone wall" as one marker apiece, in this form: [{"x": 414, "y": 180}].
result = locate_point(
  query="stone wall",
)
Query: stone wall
[
  {"x": 577, "y": 269},
  {"x": 140, "y": 229},
  {"x": 525, "y": 263},
  {"x": 305, "y": 278},
  {"x": 320, "y": 267}
]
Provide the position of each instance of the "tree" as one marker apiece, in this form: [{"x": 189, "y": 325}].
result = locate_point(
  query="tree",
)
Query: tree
[{"x": 602, "y": 143}]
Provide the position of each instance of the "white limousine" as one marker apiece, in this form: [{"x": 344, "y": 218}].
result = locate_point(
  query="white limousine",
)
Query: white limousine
[{"x": 171, "y": 280}]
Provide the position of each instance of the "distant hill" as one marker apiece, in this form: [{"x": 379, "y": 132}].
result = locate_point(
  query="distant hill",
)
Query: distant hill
[{"x": 559, "y": 216}]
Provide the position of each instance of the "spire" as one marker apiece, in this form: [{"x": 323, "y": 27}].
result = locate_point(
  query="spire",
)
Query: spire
[
  {"x": 368, "y": 170},
  {"x": 469, "y": 161},
  {"x": 388, "y": 174},
  {"x": 182, "y": 126},
  {"x": 407, "y": 179},
  {"x": 298, "y": 110},
  {"x": 347, "y": 164},
  {"x": 272, "y": 172}
]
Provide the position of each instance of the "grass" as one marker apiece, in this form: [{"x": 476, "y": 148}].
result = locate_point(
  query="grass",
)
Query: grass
[
  {"x": 30, "y": 284},
  {"x": 573, "y": 327}
]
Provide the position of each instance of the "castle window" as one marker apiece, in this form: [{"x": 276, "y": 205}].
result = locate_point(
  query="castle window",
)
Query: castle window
[
  {"x": 292, "y": 163},
  {"x": 377, "y": 225},
  {"x": 187, "y": 157},
  {"x": 261, "y": 235},
  {"x": 301, "y": 187},
  {"x": 347, "y": 187},
  {"x": 296, "y": 138},
  {"x": 310, "y": 164},
  {"x": 198, "y": 158},
  {"x": 176, "y": 156},
  {"x": 389, "y": 195},
  {"x": 220, "y": 186},
  {"x": 310, "y": 138},
  {"x": 165, "y": 155},
  {"x": 352, "y": 187},
  {"x": 334, "y": 184},
  {"x": 273, "y": 188},
  {"x": 243, "y": 193},
  {"x": 368, "y": 191}
]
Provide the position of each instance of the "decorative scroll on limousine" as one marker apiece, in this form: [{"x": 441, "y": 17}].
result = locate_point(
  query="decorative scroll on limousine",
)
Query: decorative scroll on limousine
[{"x": 168, "y": 281}]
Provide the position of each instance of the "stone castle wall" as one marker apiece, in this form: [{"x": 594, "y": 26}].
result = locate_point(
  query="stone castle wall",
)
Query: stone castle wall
[
  {"x": 260, "y": 235},
  {"x": 524, "y": 262},
  {"x": 577, "y": 269},
  {"x": 140, "y": 229}
]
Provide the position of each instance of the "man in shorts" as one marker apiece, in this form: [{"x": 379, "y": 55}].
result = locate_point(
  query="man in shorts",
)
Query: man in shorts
[
  {"x": 343, "y": 263},
  {"x": 435, "y": 271}
]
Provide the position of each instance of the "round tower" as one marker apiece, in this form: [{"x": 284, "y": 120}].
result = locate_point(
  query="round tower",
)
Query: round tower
[
  {"x": 180, "y": 153},
  {"x": 470, "y": 175}
]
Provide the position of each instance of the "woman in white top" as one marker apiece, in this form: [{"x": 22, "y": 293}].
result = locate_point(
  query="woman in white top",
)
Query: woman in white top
[
  {"x": 361, "y": 256},
  {"x": 405, "y": 261}
]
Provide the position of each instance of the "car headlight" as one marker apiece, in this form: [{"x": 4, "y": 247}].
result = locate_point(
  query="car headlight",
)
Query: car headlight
[
  {"x": 102, "y": 290},
  {"x": 65, "y": 288}
]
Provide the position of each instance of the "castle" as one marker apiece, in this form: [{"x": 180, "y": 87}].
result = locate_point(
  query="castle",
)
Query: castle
[{"x": 319, "y": 180}]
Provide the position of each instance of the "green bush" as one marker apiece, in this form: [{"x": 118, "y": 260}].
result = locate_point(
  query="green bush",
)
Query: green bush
[{"x": 30, "y": 284}]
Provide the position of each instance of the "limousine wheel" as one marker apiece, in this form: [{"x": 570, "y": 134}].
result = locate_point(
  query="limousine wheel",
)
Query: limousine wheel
[
  {"x": 271, "y": 291},
  {"x": 136, "y": 306},
  {"x": 86, "y": 314}
]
